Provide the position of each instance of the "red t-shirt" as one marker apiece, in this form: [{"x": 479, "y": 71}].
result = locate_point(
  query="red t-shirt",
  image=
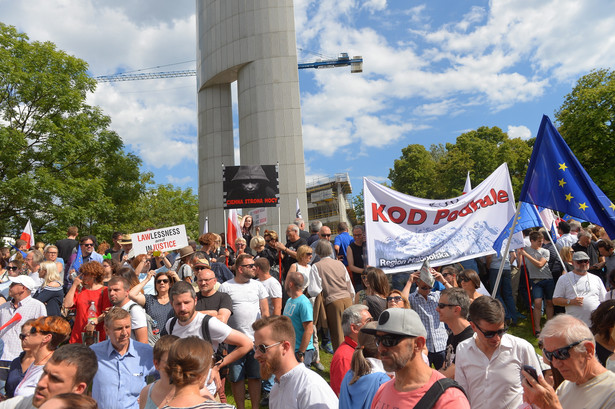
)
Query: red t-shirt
[
  {"x": 340, "y": 364},
  {"x": 388, "y": 397},
  {"x": 82, "y": 302}
]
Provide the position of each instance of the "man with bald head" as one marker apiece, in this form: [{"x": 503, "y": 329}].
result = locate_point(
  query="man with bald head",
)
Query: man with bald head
[{"x": 289, "y": 250}]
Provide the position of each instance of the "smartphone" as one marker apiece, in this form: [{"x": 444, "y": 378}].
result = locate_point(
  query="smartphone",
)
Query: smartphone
[{"x": 531, "y": 370}]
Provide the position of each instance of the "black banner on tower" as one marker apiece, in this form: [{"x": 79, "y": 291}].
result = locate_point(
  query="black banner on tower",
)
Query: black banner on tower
[{"x": 250, "y": 186}]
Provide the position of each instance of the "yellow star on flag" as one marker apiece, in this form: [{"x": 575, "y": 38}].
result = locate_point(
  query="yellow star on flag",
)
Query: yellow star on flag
[
  {"x": 562, "y": 182},
  {"x": 582, "y": 206},
  {"x": 569, "y": 197},
  {"x": 562, "y": 166},
  {"x": 612, "y": 206}
]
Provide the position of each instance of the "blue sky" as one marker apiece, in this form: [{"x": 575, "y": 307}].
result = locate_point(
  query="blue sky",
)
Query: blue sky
[{"x": 432, "y": 71}]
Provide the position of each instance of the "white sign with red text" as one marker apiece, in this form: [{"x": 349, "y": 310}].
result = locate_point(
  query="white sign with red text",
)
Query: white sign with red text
[
  {"x": 403, "y": 231},
  {"x": 165, "y": 239},
  {"x": 259, "y": 216}
]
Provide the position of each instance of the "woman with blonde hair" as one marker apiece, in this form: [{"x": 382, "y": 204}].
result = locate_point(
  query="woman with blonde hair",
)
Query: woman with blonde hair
[
  {"x": 51, "y": 293},
  {"x": 51, "y": 254},
  {"x": 188, "y": 365},
  {"x": 566, "y": 253},
  {"x": 366, "y": 373},
  {"x": 259, "y": 246},
  {"x": 395, "y": 299}
]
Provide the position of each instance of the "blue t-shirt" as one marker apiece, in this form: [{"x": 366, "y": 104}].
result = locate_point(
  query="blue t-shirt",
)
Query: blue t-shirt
[
  {"x": 343, "y": 240},
  {"x": 300, "y": 310}
]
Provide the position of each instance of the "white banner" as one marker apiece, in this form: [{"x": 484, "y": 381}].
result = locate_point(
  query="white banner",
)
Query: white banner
[
  {"x": 259, "y": 216},
  {"x": 403, "y": 231},
  {"x": 165, "y": 239}
]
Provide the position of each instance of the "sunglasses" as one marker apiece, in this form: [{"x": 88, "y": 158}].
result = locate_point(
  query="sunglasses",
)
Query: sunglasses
[
  {"x": 446, "y": 274},
  {"x": 262, "y": 348},
  {"x": 561, "y": 354},
  {"x": 389, "y": 341},
  {"x": 394, "y": 298},
  {"x": 12, "y": 268},
  {"x": 582, "y": 261},
  {"x": 442, "y": 305},
  {"x": 199, "y": 268},
  {"x": 249, "y": 265},
  {"x": 325, "y": 235},
  {"x": 308, "y": 254},
  {"x": 464, "y": 279},
  {"x": 88, "y": 244},
  {"x": 163, "y": 281},
  {"x": 491, "y": 334}
]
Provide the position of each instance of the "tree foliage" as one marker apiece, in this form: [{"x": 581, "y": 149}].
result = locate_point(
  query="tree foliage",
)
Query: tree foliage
[
  {"x": 440, "y": 172},
  {"x": 60, "y": 163},
  {"x": 587, "y": 123}
]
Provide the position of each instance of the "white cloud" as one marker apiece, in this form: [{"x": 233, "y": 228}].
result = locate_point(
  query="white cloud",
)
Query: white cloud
[
  {"x": 178, "y": 181},
  {"x": 520, "y": 131}
]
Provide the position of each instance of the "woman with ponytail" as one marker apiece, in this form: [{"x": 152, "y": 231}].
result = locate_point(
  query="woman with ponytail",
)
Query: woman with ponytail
[
  {"x": 366, "y": 373},
  {"x": 188, "y": 365}
]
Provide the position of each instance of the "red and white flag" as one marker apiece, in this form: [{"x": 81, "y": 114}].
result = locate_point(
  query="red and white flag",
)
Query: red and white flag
[
  {"x": 28, "y": 235},
  {"x": 233, "y": 230},
  {"x": 468, "y": 187}
]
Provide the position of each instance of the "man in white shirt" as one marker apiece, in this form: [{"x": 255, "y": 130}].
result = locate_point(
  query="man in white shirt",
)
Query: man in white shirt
[
  {"x": 118, "y": 295},
  {"x": 565, "y": 238},
  {"x": 271, "y": 284},
  {"x": 578, "y": 291},
  {"x": 570, "y": 347},
  {"x": 249, "y": 304},
  {"x": 27, "y": 308},
  {"x": 296, "y": 386},
  {"x": 488, "y": 365}
]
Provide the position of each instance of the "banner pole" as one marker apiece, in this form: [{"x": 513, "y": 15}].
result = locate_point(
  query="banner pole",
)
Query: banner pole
[{"x": 494, "y": 291}]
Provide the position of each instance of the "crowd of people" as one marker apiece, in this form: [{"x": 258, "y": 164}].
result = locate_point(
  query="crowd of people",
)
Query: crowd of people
[{"x": 93, "y": 325}]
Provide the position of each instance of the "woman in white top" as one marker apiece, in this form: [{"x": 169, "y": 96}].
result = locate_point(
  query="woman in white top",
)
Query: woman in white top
[
  {"x": 46, "y": 334},
  {"x": 304, "y": 256}
]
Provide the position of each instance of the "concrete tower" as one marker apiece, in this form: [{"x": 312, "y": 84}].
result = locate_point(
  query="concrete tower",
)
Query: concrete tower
[{"x": 251, "y": 42}]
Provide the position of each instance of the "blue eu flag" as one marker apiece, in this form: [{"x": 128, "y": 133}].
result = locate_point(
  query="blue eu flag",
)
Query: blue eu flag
[
  {"x": 555, "y": 179},
  {"x": 528, "y": 218}
]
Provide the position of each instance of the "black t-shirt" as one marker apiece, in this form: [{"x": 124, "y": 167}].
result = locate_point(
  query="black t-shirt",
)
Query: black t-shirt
[
  {"x": 65, "y": 248},
  {"x": 452, "y": 342},
  {"x": 293, "y": 246},
  {"x": 214, "y": 302}
]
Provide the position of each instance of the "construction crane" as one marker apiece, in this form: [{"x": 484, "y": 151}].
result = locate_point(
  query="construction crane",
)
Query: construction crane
[{"x": 343, "y": 60}]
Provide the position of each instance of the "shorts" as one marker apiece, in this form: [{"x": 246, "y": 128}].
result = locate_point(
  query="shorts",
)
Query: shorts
[
  {"x": 246, "y": 367},
  {"x": 543, "y": 289}
]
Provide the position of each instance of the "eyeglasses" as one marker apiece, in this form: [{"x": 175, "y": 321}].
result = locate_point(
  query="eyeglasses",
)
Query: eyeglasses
[
  {"x": 561, "y": 354},
  {"x": 394, "y": 298},
  {"x": 12, "y": 268},
  {"x": 262, "y": 348},
  {"x": 88, "y": 244},
  {"x": 249, "y": 265},
  {"x": 360, "y": 324},
  {"x": 464, "y": 279},
  {"x": 389, "y": 341},
  {"x": 442, "y": 305},
  {"x": 52, "y": 252},
  {"x": 163, "y": 281},
  {"x": 204, "y": 280},
  {"x": 240, "y": 245},
  {"x": 491, "y": 334},
  {"x": 582, "y": 261}
]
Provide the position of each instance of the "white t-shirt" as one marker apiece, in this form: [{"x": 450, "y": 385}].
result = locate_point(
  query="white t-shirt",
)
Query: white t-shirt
[
  {"x": 302, "y": 388},
  {"x": 588, "y": 286},
  {"x": 218, "y": 331},
  {"x": 246, "y": 304},
  {"x": 598, "y": 393},
  {"x": 138, "y": 319},
  {"x": 274, "y": 289}
]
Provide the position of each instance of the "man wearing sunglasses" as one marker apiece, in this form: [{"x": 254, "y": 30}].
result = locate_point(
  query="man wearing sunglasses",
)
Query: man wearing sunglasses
[
  {"x": 400, "y": 336},
  {"x": 488, "y": 365},
  {"x": 570, "y": 347},
  {"x": 580, "y": 292},
  {"x": 453, "y": 309}
]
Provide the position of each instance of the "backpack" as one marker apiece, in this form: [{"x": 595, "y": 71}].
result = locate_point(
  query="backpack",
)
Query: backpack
[
  {"x": 222, "y": 350},
  {"x": 437, "y": 389},
  {"x": 153, "y": 332}
]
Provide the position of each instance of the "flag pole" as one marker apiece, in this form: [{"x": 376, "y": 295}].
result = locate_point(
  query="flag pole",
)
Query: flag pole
[{"x": 494, "y": 291}]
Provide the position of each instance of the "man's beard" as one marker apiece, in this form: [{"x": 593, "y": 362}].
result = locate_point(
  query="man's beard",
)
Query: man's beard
[
  {"x": 269, "y": 367},
  {"x": 397, "y": 363}
]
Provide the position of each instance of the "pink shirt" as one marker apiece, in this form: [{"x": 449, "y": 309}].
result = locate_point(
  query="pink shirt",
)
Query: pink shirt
[{"x": 388, "y": 397}]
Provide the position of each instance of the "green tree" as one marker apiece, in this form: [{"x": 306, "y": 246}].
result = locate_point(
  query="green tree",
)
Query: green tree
[
  {"x": 60, "y": 164},
  {"x": 587, "y": 123},
  {"x": 441, "y": 172},
  {"x": 166, "y": 205}
]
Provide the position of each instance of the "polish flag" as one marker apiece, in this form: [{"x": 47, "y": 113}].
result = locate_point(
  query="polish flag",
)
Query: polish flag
[
  {"x": 233, "y": 230},
  {"x": 28, "y": 235},
  {"x": 468, "y": 187}
]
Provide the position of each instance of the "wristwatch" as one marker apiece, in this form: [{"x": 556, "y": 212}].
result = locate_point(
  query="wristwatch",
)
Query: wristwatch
[
  {"x": 299, "y": 355},
  {"x": 567, "y": 302}
]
